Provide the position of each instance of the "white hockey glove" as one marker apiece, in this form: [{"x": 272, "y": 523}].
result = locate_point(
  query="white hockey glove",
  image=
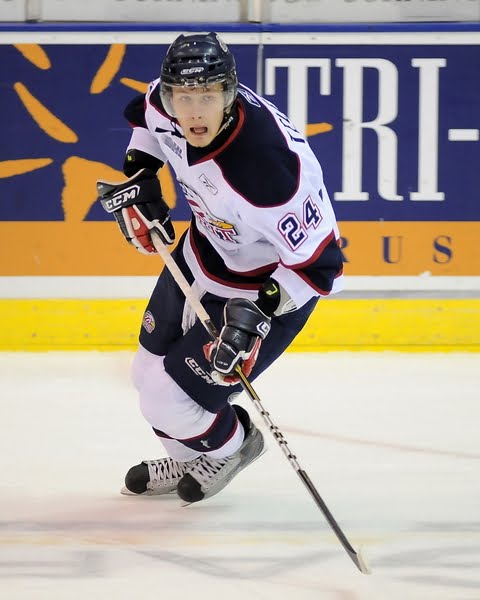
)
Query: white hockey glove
[
  {"x": 138, "y": 207},
  {"x": 245, "y": 326}
]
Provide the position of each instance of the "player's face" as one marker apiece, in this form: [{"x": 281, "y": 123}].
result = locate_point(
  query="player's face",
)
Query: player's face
[{"x": 199, "y": 112}]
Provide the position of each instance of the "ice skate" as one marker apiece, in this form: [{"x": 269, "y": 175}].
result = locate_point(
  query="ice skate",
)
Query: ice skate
[
  {"x": 206, "y": 476},
  {"x": 154, "y": 477}
]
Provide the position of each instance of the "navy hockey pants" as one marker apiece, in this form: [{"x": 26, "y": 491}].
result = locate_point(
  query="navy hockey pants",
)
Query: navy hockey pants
[{"x": 161, "y": 334}]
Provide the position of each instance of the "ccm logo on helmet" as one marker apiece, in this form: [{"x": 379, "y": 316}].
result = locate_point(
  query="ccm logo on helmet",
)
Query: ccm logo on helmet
[
  {"x": 127, "y": 195},
  {"x": 192, "y": 70}
]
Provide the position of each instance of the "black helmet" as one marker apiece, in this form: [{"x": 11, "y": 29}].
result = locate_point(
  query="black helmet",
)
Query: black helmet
[{"x": 198, "y": 60}]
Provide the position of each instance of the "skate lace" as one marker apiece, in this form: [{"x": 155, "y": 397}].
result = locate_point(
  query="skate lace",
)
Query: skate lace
[
  {"x": 205, "y": 468},
  {"x": 165, "y": 470}
]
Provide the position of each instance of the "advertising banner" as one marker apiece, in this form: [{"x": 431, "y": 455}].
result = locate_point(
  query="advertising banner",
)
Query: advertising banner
[
  {"x": 62, "y": 130},
  {"x": 394, "y": 121},
  {"x": 165, "y": 11},
  {"x": 370, "y": 11}
]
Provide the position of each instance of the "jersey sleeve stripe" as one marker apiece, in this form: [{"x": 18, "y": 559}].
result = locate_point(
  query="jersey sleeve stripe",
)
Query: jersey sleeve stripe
[
  {"x": 315, "y": 255},
  {"x": 318, "y": 289}
]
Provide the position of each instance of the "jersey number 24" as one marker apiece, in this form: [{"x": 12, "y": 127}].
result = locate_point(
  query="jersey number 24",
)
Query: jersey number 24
[{"x": 294, "y": 230}]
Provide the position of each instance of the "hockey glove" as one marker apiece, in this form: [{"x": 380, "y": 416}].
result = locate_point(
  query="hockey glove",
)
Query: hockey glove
[
  {"x": 138, "y": 207},
  {"x": 245, "y": 326}
]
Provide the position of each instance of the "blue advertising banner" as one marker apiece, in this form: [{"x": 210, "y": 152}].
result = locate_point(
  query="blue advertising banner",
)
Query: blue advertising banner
[
  {"x": 394, "y": 119},
  {"x": 62, "y": 110},
  {"x": 396, "y": 126}
]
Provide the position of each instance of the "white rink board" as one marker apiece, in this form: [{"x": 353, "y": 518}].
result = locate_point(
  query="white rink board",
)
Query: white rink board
[
  {"x": 12, "y": 10},
  {"x": 365, "y": 11},
  {"x": 166, "y": 11},
  {"x": 142, "y": 286}
]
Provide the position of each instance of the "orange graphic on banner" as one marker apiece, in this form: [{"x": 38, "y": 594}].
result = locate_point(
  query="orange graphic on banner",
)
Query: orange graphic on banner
[
  {"x": 138, "y": 86},
  {"x": 316, "y": 128},
  {"x": 109, "y": 69},
  {"x": 45, "y": 119},
  {"x": 73, "y": 248},
  {"x": 9, "y": 168},
  {"x": 78, "y": 247},
  {"x": 34, "y": 54},
  {"x": 168, "y": 186},
  {"x": 79, "y": 193},
  {"x": 411, "y": 248}
]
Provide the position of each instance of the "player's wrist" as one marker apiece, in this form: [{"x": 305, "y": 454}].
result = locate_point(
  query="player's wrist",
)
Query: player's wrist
[
  {"x": 137, "y": 159},
  {"x": 273, "y": 300},
  {"x": 269, "y": 296}
]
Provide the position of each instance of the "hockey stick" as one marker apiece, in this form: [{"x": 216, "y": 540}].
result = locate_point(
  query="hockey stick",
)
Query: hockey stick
[{"x": 202, "y": 314}]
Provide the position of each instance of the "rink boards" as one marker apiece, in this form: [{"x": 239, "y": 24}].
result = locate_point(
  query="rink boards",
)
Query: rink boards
[
  {"x": 414, "y": 324},
  {"x": 391, "y": 112}
]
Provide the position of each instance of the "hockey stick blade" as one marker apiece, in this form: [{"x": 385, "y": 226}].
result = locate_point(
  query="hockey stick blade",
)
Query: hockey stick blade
[{"x": 357, "y": 557}]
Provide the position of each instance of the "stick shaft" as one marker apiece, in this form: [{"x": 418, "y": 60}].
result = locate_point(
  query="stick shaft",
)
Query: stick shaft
[{"x": 183, "y": 284}]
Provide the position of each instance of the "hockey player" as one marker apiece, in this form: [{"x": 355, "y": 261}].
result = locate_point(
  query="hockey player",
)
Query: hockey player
[{"x": 260, "y": 250}]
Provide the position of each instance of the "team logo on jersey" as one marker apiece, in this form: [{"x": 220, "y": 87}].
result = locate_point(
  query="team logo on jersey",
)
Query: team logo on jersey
[
  {"x": 222, "y": 229},
  {"x": 208, "y": 184},
  {"x": 148, "y": 322}
]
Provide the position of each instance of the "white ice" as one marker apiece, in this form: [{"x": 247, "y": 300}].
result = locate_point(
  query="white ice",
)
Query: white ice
[{"x": 391, "y": 441}]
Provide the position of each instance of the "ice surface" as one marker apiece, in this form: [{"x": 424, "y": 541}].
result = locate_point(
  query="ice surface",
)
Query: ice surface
[{"x": 390, "y": 440}]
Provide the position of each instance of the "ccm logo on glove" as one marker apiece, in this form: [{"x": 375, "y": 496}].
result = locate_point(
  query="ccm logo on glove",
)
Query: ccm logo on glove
[
  {"x": 263, "y": 328},
  {"x": 128, "y": 195}
]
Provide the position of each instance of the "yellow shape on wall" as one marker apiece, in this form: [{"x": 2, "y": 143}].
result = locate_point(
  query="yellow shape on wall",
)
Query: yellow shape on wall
[
  {"x": 35, "y": 54},
  {"x": 108, "y": 69},
  {"x": 168, "y": 186},
  {"x": 80, "y": 191},
  {"x": 45, "y": 119},
  {"x": 138, "y": 86},
  {"x": 9, "y": 168},
  {"x": 315, "y": 128}
]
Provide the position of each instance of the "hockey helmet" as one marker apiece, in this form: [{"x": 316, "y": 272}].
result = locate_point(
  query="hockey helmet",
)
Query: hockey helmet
[{"x": 198, "y": 60}]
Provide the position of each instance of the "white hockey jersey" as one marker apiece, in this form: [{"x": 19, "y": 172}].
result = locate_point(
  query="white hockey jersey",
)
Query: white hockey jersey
[{"x": 259, "y": 205}]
